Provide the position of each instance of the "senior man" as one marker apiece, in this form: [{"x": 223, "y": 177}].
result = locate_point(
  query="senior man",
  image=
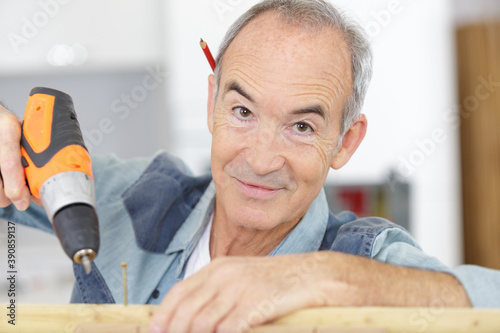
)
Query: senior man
[{"x": 244, "y": 248}]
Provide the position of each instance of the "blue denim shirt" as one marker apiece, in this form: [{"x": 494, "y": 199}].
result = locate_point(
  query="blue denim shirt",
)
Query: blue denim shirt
[{"x": 152, "y": 212}]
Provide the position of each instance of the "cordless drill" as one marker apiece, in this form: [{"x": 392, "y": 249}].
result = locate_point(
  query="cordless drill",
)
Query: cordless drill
[{"x": 59, "y": 172}]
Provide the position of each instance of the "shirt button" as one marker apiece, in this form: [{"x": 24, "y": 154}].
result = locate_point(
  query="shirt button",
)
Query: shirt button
[{"x": 156, "y": 293}]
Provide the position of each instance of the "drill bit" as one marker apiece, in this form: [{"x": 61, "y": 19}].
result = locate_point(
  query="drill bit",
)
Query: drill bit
[
  {"x": 85, "y": 257},
  {"x": 86, "y": 264},
  {"x": 124, "y": 273}
]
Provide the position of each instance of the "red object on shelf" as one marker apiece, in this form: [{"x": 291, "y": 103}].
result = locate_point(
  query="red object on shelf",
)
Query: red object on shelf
[{"x": 354, "y": 200}]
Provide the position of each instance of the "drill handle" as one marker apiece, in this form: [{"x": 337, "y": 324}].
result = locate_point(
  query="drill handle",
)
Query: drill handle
[{"x": 51, "y": 140}]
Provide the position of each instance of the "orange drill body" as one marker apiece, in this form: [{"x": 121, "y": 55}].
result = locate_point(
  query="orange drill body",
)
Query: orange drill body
[{"x": 59, "y": 171}]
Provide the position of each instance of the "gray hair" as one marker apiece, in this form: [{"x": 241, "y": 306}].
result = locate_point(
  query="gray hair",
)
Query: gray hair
[{"x": 314, "y": 15}]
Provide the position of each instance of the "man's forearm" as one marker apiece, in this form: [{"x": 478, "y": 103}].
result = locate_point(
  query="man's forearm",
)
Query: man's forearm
[{"x": 358, "y": 281}]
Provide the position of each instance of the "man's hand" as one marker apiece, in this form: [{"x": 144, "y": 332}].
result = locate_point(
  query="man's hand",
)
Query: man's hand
[
  {"x": 13, "y": 188},
  {"x": 233, "y": 294}
]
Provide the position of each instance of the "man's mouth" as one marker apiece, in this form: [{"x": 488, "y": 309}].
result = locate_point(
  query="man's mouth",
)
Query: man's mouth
[{"x": 257, "y": 191}]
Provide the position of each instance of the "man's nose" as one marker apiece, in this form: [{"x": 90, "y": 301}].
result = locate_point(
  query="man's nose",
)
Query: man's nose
[{"x": 264, "y": 153}]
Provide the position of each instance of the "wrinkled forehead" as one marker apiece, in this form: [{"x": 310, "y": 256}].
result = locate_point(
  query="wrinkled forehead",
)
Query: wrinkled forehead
[{"x": 273, "y": 50}]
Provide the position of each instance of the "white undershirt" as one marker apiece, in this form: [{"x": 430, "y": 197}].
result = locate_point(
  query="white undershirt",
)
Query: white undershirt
[{"x": 201, "y": 253}]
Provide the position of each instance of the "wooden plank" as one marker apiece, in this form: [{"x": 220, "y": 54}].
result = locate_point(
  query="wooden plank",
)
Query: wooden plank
[
  {"x": 400, "y": 319},
  {"x": 135, "y": 328},
  {"x": 66, "y": 317},
  {"x": 478, "y": 51},
  {"x": 315, "y": 329},
  {"x": 135, "y": 318},
  {"x": 111, "y": 328}
]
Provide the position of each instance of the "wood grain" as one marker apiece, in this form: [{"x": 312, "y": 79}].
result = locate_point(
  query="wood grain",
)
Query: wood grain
[
  {"x": 133, "y": 328},
  {"x": 81, "y": 318}
]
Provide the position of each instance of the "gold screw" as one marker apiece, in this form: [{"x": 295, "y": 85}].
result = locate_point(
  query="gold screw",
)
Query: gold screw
[{"x": 124, "y": 273}]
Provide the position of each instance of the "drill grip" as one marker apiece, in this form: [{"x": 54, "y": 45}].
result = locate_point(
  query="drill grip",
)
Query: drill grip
[
  {"x": 51, "y": 140},
  {"x": 64, "y": 129}
]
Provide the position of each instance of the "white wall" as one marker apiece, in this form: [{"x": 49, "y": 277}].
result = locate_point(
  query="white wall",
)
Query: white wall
[
  {"x": 114, "y": 34},
  {"x": 413, "y": 87}
]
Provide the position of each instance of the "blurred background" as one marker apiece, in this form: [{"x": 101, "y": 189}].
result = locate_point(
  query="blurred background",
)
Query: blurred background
[{"x": 138, "y": 79}]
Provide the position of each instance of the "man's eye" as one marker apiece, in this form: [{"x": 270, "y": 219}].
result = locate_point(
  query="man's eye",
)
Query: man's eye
[
  {"x": 242, "y": 113},
  {"x": 302, "y": 128}
]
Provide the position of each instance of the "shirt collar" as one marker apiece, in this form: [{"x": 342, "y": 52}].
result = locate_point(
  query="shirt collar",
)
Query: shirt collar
[
  {"x": 309, "y": 232},
  {"x": 191, "y": 230},
  {"x": 305, "y": 237}
]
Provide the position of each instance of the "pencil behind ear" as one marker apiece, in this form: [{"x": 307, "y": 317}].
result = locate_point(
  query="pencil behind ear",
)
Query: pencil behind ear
[{"x": 211, "y": 102}]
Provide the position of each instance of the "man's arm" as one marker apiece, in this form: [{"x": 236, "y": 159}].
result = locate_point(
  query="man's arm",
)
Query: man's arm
[
  {"x": 236, "y": 293},
  {"x": 372, "y": 283}
]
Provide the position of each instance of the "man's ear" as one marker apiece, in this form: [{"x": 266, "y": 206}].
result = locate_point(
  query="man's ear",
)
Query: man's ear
[
  {"x": 351, "y": 141},
  {"x": 211, "y": 102}
]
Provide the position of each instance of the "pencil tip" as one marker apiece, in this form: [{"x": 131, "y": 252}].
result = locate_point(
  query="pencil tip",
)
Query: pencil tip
[{"x": 201, "y": 40}]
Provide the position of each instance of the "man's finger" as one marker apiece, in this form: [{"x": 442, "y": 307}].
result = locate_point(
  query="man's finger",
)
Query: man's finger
[
  {"x": 241, "y": 319},
  {"x": 14, "y": 181},
  {"x": 186, "y": 311},
  {"x": 164, "y": 313},
  {"x": 252, "y": 311},
  {"x": 4, "y": 201},
  {"x": 207, "y": 319}
]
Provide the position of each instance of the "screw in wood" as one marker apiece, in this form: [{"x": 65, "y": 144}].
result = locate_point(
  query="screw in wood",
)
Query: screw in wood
[{"x": 124, "y": 274}]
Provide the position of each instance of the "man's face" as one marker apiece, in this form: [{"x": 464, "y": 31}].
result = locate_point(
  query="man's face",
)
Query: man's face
[{"x": 276, "y": 120}]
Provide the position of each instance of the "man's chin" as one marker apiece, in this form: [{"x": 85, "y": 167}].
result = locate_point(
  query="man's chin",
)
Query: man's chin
[{"x": 253, "y": 219}]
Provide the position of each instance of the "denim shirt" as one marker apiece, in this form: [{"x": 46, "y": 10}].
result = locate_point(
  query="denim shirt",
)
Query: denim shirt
[{"x": 152, "y": 213}]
